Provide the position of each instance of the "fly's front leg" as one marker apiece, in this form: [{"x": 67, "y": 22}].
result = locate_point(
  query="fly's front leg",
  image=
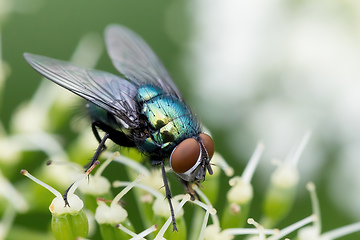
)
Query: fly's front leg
[{"x": 168, "y": 194}]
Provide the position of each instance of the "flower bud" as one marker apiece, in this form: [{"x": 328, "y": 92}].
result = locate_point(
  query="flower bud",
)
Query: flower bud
[
  {"x": 68, "y": 218},
  {"x": 70, "y": 225},
  {"x": 280, "y": 195},
  {"x": 110, "y": 216},
  {"x": 240, "y": 195},
  {"x": 239, "y": 199},
  {"x": 213, "y": 232}
]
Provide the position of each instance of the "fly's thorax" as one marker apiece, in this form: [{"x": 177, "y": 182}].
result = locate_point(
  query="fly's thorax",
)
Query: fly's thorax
[
  {"x": 147, "y": 92},
  {"x": 159, "y": 108},
  {"x": 169, "y": 121},
  {"x": 166, "y": 136}
]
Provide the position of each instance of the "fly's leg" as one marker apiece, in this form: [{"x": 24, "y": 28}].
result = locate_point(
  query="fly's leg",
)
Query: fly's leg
[
  {"x": 101, "y": 146},
  {"x": 99, "y": 149},
  {"x": 93, "y": 160},
  {"x": 96, "y": 133},
  {"x": 168, "y": 195},
  {"x": 65, "y": 195}
]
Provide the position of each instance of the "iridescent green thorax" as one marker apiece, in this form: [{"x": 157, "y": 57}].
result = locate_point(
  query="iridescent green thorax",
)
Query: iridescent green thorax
[{"x": 170, "y": 120}]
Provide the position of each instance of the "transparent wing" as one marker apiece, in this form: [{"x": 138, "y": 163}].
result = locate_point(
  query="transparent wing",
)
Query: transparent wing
[
  {"x": 110, "y": 92},
  {"x": 132, "y": 57}
]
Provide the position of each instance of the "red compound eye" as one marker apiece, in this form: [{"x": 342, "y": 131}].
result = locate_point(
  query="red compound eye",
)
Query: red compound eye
[
  {"x": 208, "y": 143},
  {"x": 185, "y": 155}
]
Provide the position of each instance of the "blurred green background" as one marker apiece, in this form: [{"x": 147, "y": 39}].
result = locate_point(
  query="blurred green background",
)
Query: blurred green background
[{"x": 282, "y": 83}]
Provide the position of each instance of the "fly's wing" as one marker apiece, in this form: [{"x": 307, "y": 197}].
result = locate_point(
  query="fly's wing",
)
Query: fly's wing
[
  {"x": 132, "y": 57},
  {"x": 110, "y": 92}
]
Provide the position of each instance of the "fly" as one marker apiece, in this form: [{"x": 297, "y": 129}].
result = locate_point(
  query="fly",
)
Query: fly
[{"x": 144, "y": 109}]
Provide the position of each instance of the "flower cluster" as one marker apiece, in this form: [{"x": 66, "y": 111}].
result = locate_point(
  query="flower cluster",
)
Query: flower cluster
[{"x": 70, "y": 220}]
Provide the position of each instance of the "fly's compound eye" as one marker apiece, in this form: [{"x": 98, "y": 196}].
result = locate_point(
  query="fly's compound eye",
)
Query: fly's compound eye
[
  {"x": 208, "y": 143},
  {"x": 185, "y": 155}
]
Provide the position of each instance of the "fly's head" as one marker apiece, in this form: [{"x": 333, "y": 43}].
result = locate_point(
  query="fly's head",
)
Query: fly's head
[{"x": 191, "y": 158}]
